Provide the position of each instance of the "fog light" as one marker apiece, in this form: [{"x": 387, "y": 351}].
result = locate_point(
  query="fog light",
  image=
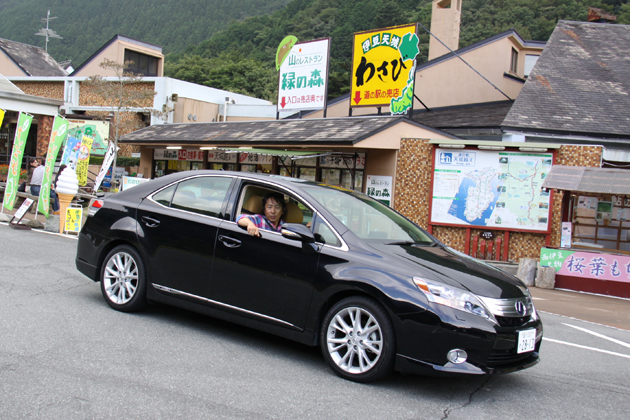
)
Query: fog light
[{"x": 457, "y": 356}]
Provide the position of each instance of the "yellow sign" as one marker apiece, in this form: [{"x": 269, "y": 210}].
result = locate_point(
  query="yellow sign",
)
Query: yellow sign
[
  {"x": 84, "y": 159},
  {"x": 383, "y": 66},
  {"x": 73, "y": 219}
]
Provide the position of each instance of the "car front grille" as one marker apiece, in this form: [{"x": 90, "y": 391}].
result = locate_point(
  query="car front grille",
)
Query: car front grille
[
  {"x": 505, "y": 357},
  {"x": 508, "y": 321}
]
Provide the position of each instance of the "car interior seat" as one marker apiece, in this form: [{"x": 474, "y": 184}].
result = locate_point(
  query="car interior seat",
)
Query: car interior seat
[
  {"x": 294, "y": 214},
  {"x": 253, "y": 205}
]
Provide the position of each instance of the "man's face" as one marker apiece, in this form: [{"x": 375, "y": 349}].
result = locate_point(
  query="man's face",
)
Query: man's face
[{"x": 273, "y": 210}]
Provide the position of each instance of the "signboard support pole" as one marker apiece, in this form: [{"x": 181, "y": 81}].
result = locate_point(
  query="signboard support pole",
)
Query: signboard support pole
[
  {"x": 498, "y": 248},
  {"x": 475, "y": 245},
  {"x": 467, "y": 245},
  {"x": 506, "y": 245}
]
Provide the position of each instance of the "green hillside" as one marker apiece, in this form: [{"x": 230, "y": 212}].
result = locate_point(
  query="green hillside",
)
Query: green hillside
[
  {"x": 86, "y": 25},
  {"x": 241, "y": 57}
]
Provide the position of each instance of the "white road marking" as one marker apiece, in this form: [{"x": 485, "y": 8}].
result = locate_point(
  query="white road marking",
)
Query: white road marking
[
  {"x": 587, "y": 348},
  {"x": 614, "y": 340}
]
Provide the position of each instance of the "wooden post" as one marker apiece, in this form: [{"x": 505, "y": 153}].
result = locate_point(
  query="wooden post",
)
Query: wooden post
[
  {"x": 506, "y": 247},
  {"x": 482, "y": 248},
  {"x": 475, "y": 244},
  {"x": 498, "y": 244},
  {"x": 467, "y": 242}
]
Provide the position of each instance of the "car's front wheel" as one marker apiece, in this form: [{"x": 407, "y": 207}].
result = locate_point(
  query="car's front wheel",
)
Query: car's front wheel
[
  {"x": 123, "y": 281},
  {"x": 357, "y": 339}
]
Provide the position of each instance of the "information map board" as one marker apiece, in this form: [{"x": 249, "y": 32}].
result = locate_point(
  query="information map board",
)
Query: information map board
[{"x": 491, "y": 189}]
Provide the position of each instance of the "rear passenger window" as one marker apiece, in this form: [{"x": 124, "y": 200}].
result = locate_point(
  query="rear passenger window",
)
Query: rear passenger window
[
  {"x": 203, "y": 195},
  {"x": 165, "y": 196}
]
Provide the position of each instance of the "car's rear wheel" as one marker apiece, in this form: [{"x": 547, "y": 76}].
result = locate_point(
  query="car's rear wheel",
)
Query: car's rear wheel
[
  {"x": 123, "y": 281},
  {"x": 357, "y": 339}
]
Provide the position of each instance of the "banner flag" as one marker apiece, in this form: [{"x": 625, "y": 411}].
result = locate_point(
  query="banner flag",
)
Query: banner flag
[
  {"x": 13, "y": 177},
  {"x": 57, "y": 136},
  {"x": 1, "y": 115},
  {"x": 107, "y": 161},
  {"x": 83, "y": 160},
  {"x": 70, "y": 155}
]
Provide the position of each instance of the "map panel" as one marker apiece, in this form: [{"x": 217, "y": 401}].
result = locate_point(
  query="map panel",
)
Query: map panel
[{"x": 491, "y": 189}]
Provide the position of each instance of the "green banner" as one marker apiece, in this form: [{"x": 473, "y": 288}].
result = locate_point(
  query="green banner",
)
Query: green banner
[
  {"x": 57, "y": 137},
  {"x": 13, "y": 177}
]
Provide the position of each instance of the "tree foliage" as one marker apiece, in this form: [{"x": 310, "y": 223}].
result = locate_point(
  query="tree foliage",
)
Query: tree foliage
[{"x": 252, "y": 44}]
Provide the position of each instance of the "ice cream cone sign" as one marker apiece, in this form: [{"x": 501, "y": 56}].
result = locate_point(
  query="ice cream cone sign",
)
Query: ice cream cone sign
[{"x": 67, "y": 188}]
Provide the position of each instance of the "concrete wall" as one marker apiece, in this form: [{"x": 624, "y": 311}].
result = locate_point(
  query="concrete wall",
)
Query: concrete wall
[{"x": 8, "y": 67}]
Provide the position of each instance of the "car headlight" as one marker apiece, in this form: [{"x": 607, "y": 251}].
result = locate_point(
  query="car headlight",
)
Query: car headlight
[{"x": 453, "y": 297}]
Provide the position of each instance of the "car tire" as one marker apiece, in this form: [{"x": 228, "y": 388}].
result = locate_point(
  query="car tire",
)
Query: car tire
[
  {"x": 123, "y": 280},
  {"x": 357, "y": 339}
]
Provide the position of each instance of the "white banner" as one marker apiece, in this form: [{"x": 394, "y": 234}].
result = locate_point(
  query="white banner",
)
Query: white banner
[
  {"x": 107, "y": 161},
  {"x": 304, "y": 77}
]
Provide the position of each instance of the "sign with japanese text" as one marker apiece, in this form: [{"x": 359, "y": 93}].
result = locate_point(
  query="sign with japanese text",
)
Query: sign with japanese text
[
  {"x": 491, "y": 189},
  {"x": 194, "y": 155},
  {"x": 17, "y": 153},
  {"x": 73, "y": 219},
  {"x": 343, "y": 162},
  {"x": 58, "y": 134},
  {"x": 587, "y": 264},
  {"x": 383, "y": 68},
  {"x": 105, "y": 167},
  {"x": 303, "y": 76},
  {"x": 255, "y": 159},
  {"x": 380, "y": 188},
  {"x": 130, "y": 181},
  {"x": 83, "y": 159}
]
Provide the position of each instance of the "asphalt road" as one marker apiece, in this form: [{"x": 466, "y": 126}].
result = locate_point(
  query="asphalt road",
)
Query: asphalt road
[{"x": 64, "y": 354}]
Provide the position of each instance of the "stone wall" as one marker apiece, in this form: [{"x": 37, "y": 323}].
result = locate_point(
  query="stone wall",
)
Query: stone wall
[
  {"x": 44, "y": 129},
  {"x": 90, "y": 95},
  {"x": 413, "y": 197},
  {"x": 53, "y": 90}
]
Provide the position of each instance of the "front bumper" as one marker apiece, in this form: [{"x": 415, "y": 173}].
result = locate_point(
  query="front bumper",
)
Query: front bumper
[{"x": 426, "y": 338}]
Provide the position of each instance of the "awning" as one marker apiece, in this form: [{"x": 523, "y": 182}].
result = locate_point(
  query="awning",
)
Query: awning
[{"x": 588, "y": 180}]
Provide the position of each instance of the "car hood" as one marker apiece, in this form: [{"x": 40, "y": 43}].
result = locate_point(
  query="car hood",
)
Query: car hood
[{"x": 454, "y": 268}]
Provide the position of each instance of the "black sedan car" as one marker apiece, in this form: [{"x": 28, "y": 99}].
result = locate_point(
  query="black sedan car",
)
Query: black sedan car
[{"x": 344, "y": 272}]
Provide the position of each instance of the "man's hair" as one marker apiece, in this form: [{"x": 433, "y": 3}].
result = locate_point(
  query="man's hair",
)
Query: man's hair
[{"x": 279, "y": 199}]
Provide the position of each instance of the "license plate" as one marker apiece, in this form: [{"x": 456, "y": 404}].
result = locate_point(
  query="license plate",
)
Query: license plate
[{"x": 526, "y": 341}]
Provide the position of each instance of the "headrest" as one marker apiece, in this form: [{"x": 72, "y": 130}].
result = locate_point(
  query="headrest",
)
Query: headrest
[
  {"x": 253, "y": 204},
  {"x": 294, "y": 214}
]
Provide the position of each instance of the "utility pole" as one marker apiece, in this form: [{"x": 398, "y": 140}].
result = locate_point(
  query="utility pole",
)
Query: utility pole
[{"x": 48, "y": 33}]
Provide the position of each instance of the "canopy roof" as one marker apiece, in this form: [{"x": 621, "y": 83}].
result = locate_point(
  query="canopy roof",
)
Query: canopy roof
[{"x": 588, "y": 180}]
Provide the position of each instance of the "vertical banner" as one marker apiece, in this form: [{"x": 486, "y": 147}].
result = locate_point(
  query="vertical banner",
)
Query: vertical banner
[
  {"x": 70, "y": 155},
  {"x": 1, "y": 115},
  {"x": 83, "y": 159},
  {"x": 57, "y": 136},
  {"x": 107, "y": 161},
  {"x": 13, "y": 177},
  {"x": 383, "y": 68}
]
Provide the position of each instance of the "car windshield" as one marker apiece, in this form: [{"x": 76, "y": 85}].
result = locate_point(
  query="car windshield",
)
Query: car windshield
[{"x": 367, "y": 218}]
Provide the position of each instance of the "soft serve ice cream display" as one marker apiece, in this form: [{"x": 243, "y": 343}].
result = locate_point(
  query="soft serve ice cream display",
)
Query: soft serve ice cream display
[{"x": 67, "y": 187}]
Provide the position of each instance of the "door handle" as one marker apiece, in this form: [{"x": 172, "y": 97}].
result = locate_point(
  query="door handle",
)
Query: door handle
[
  {"x": 229, "y": 242},
  {"x": 150, "y": 222}
]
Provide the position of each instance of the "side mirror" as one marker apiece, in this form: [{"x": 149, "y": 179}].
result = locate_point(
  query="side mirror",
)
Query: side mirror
[{"x": 297, "y": 232}]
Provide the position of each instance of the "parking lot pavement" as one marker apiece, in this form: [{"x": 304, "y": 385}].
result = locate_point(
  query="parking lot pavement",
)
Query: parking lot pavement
[{"x": 606, "y": 310}]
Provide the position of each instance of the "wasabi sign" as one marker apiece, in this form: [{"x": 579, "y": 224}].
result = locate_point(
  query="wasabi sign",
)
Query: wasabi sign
[{"x": 383, "y": 68}]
